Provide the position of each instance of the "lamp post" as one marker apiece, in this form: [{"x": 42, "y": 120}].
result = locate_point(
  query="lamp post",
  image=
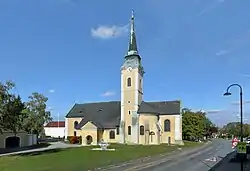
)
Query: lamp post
[{"x": 241, "y": 113}]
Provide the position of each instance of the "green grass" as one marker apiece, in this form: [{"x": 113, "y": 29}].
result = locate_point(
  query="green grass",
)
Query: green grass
[{"x": 82, "y": 158}]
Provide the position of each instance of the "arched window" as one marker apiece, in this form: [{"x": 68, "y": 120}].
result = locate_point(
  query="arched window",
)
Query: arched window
[
  {"x": 141, "y": 130},
  {"x": 129, "y": 130},
  {"x": 75, "y": 124},
  {"x": 129, "y": 82},
  {"x": 167, "y": 125},
  {"x": 117, "y": 130},
  {"x": 112, "y": 135}
]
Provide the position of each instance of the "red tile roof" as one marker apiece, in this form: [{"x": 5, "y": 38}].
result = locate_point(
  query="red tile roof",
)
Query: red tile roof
[{"x": 55, "y": 124}]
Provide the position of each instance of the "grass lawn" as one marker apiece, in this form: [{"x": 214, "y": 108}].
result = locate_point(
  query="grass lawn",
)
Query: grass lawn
[{"x": 82, "y": 158}]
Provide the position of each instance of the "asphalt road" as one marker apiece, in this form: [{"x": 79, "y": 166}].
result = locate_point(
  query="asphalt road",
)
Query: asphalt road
[{"x": 202, "y": 160}]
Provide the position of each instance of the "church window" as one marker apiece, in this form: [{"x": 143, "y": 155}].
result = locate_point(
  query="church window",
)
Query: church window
[
  {"x": 112, "y": 135},
  {"x": 75, "y": 124},
  {"x": 167, "y": 125},
  {"x": 117, "y": 130},
  {"x": 129, "y": 130},
  {"x": 74, "y": 133},
  {"x": 129, "y": 82},
  {"x": 129, "y": 112},
  {"x": 128, "y": 101},
  {"x": 141, "y": 130}
]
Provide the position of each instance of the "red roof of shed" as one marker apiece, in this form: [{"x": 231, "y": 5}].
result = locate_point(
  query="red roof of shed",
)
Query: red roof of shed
[{"x": 55, "y": 124}]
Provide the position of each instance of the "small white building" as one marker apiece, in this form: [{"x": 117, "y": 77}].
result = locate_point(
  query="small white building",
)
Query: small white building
[{"x": 55, "y": 129}]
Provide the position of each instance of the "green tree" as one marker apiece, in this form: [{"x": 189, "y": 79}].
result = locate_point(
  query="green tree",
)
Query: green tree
[
  {"x": 11, "y": 109},
  {"x": 36, "y": 112},
  {"x": 195, "y": 125}
]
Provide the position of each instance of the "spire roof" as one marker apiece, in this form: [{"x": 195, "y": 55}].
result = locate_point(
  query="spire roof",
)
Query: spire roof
[{"x": 132, "y": 48}]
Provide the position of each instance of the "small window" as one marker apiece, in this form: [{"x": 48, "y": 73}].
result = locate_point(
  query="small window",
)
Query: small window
[
  {"x": 112, "y": 135},
  {"x": 75, "y": 124},
  {"x": 117, "y": 130},
  {"x": 129, "y": 82},
  {"x": 74, "y": 133},
  {"x": 141, "y": 130},
  {"x": 129, "y": 112},
  {"x": 129, "y": 130},
  {"x": 128, "y": 101},
  {"x": 167, "y": 125}
]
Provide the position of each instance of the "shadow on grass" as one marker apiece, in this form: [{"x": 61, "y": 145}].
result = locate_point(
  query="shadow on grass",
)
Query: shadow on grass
[
  {"x": 12, "y": 150},
  {"x": 36, "y": 153}
]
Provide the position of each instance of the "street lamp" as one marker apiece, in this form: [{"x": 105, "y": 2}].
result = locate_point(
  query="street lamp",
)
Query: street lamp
[
  {"x": 241, "y": 113},
  {"x": 241, "y": 107}
]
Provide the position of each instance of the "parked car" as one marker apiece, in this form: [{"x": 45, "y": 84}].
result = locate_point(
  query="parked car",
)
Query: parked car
[
  {"x": 248, "y": 145},
  {"x": 248, "y": 140}
]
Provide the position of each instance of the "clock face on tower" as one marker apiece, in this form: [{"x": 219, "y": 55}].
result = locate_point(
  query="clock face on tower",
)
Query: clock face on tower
[{"x": 129, "y": 69}]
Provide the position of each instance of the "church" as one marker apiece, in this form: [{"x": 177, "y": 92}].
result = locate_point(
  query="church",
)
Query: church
[{"x": 130, "y": 120}]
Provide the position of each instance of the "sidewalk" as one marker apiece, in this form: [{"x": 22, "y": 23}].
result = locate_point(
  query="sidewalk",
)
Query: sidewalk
[
  {"x": 230, "y": 163},
  {"x": 54, "y": 145}
]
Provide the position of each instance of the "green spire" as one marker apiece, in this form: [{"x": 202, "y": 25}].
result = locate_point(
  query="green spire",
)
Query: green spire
[{"x": 132, "y": 48}]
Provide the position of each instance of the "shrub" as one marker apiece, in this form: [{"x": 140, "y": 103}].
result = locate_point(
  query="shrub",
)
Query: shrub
[
  {"x": 75, "y": 139},
  {"x": 80, "y": 140}
]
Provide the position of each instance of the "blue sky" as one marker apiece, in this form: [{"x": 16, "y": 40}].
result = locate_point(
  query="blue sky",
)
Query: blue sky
[{"x": 72, "y": 50}]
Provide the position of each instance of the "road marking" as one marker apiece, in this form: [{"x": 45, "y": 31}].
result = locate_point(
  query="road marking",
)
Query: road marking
[
  {"x": 211, "y": 159},
  {"x": 154, "y": 163}
]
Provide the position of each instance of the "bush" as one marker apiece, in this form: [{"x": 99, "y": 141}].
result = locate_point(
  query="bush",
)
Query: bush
[{"x": 75, "y": 139}]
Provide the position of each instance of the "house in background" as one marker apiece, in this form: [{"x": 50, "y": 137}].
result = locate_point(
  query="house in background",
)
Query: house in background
[{"x": 55, "y": 129}]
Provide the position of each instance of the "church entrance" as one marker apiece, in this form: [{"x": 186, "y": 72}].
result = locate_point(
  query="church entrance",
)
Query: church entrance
[
  {"x": 152, "y": 134},
  {"x": 89, "y": 140}
]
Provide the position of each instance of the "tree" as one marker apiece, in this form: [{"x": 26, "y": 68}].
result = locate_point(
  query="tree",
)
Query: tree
[
  {"x": 234, "y": 129},
  {"x": 11, "y": 109},
  {"x": 4, "y": 96},
  {"x": 36, "y": 112},
  {"x": 195, "y": 125}
]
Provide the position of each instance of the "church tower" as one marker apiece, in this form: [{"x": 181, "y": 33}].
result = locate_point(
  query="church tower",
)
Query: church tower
[{"x": 131, "y": 90}]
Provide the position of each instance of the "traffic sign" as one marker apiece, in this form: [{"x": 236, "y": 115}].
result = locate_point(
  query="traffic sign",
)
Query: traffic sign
[
  {"x": 234, "y": 142},
  {"x": 242, "y": 147}
]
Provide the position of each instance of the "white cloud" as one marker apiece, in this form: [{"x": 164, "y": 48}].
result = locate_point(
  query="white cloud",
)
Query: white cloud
[
  {"x": 214, "y": 111},
  {"x": 108, "y": 93},
  {"x": 51, "y": 90},
  {"x": 237, "y": 102},
  {"x": 106, "y": 32},
  {"x": 50, "y": 108},
  {"x": 245, "y": 75},
  {"x": 222, "y": 52},
  {"x": 210, "y": 7}
]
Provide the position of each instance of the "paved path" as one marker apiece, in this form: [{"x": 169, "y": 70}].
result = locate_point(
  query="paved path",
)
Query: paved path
[
  {"x": 194, "y": 160},
  {"x": 54, "y": 145}
]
